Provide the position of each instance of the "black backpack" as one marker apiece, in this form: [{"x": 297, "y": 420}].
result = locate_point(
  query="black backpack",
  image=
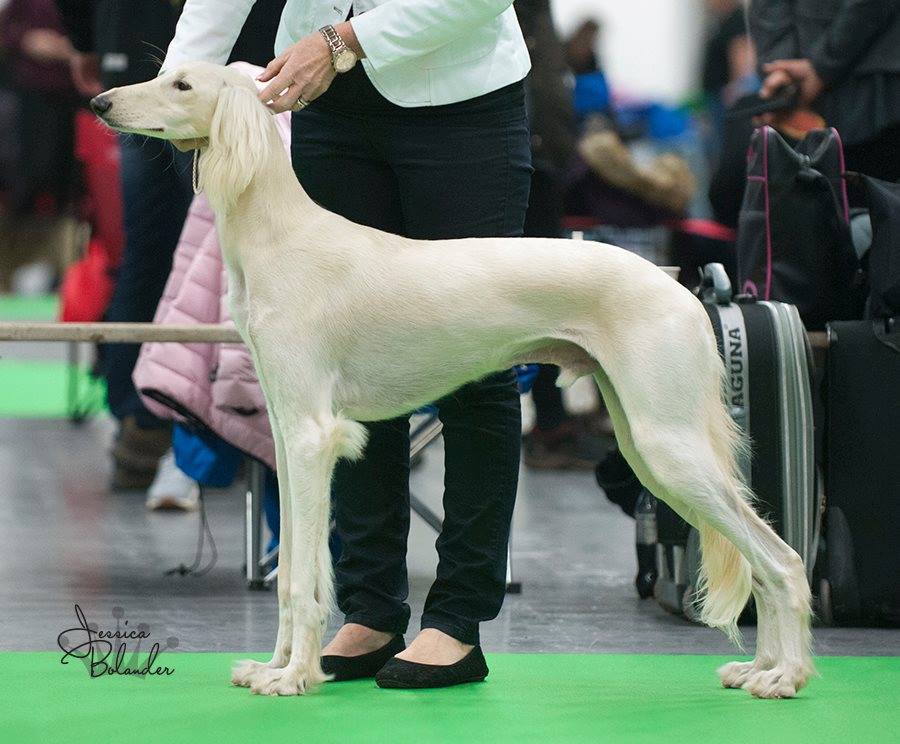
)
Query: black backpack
[{"x": 794, "y": 241}]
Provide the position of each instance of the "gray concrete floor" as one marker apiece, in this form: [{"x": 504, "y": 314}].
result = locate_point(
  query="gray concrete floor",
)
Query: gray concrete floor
[{"x": 64, "y": 539}]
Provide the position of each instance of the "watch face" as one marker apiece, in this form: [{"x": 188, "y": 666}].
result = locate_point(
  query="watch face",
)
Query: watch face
[{"x": 344, "y": 60}]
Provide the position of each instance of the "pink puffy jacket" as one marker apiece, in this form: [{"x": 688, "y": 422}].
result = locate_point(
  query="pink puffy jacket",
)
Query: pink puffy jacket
[{"x": 213, "y": 384}]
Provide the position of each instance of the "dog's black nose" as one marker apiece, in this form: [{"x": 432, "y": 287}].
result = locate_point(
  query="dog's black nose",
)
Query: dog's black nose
[{"x": 100, "y": 104}]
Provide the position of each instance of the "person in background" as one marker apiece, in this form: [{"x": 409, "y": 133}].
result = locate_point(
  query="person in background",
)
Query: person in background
[
  {"x": 39, "y": 53},
  {"x": 558, "y": 440},
  {"x": 119, "y": 42},
  {"x": 729, "y": 79},
  {"x": 844, "y": 56},
  {"x": 581, "y": 48},
  {"x": 729, "y": 59},
  {"x": 729, "y": 68}
]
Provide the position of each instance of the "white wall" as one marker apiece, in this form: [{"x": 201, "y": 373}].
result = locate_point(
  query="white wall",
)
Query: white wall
[{"x": 650, "y": 48}]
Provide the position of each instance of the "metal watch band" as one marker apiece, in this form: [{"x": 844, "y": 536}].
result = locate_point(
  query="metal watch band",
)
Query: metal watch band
[{"x": 335, "y": 42}]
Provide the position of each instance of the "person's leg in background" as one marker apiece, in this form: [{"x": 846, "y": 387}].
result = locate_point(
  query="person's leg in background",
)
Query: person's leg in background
[
  {"x": 156, "y": 193},
  {"x": 340, "y": 170},
  {"x": 66, "y": 175},
  {"x": 44, "y": 187},
  {"x": 37, "y": 124}
]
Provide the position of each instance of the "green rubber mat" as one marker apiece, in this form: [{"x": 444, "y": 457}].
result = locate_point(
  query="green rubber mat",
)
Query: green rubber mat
[
  {"x": 38, "y": 389},
  {"x": 527, "y": 698},
  {"x": 41, "y": 307}
]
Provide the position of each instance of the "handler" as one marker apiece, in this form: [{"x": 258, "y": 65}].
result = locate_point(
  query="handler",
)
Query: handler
[{"x": 411, "y": 119}]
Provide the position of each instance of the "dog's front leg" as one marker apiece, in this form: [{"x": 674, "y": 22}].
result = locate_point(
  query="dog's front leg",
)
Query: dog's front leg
[
  {"x": 311, "y": 451},
  {"x": 244, "y": 672}
]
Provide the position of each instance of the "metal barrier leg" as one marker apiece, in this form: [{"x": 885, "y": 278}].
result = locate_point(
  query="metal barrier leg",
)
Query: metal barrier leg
[
  {"x": 72, "y": 380},
  {"x": 512, "y": 586},
  {"x": 256, "y": 481}
]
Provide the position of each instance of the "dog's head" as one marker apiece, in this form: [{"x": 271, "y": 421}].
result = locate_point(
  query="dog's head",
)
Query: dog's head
[
  {"x": 216, "y": 107},
  {"x": 179, "y": 105}
]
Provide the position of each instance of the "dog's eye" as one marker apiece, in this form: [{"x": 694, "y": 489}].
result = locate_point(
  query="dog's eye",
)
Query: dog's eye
[{"x": 182, "y": 85}]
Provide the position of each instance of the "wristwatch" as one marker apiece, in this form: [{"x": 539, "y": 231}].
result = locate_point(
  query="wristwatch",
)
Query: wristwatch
[{"x": 342, "y": 57}]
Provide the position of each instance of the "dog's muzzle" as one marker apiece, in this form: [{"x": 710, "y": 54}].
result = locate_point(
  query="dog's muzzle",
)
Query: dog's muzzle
[{"x": 100, "y": 104}]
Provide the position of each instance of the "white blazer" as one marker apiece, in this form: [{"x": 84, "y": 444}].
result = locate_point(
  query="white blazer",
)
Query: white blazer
[{"x": 418, "y": 52}]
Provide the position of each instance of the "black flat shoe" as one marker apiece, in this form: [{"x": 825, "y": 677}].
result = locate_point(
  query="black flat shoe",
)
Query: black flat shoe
[
  {"x": 410, "y": 675},
  {"x": 345, "y": 668}
]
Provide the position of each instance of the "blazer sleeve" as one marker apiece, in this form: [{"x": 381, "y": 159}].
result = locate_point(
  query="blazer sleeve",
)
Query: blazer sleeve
[
  {"x": 206, "y": 30},
  {"x": 400, "y": 29},
  {"x": 857, "y": 25},
  {"x": 773, "y": 28}
]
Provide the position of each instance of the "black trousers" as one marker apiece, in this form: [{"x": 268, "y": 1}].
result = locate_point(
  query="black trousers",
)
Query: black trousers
[{"x": 461, "y": 170}]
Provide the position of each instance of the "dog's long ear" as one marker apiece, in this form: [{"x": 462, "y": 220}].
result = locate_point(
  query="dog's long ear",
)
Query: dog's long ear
[{"x": 238, "y": 145}]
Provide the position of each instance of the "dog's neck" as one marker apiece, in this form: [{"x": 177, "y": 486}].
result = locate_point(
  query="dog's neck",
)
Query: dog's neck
[{"x": 272, "y": 203}]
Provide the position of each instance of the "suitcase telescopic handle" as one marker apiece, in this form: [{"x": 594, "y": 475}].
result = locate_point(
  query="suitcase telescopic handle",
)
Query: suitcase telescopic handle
[{"x": 715, "y": 286}]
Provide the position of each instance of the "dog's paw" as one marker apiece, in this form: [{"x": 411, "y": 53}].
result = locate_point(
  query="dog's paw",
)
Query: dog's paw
[
  {"x": 291, "y": 680},
  {"x": 736, "y": 673},
  {"x": 244, "y": 672},
  {"x": 782, "y": 681}
]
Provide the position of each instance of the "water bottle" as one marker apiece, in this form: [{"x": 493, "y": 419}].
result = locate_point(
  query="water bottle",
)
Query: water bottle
[{"x": 645, "y": 539}]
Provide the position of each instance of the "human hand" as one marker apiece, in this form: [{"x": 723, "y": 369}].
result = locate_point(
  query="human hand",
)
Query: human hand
[
  {"x": 301, "y": 73},
  {"x": 86, "y": 74},
  {"x": 46, "y": 45},
  {"x": 799, "y": 71}
]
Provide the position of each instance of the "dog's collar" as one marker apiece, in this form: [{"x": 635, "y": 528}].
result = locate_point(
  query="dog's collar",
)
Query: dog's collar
[{"x": 195, "y": 172}]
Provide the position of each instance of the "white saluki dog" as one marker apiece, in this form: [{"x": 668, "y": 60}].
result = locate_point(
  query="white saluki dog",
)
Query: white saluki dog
[{"x": 347, "y": 324}]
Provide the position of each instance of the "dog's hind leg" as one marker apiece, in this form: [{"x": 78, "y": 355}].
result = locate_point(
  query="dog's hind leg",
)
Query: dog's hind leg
[
  {"x": 313, "y": 444},
  {"x": 243, "y": 672},
  {"x": 676, "y": 433},
  {"x": 736, "y": 673}
]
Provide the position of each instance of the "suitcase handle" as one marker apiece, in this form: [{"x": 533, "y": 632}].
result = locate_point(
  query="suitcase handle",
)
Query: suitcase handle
[{"x": 715, "y": 286}]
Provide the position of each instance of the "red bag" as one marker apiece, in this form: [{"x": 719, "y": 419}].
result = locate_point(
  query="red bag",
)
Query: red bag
[{"x": 87, "y": 286}]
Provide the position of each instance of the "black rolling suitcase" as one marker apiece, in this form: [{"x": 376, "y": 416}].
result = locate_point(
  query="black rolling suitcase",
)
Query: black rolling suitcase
[
  {"x": 861, "y": 576},
  {"x": 769, "y": 393}
]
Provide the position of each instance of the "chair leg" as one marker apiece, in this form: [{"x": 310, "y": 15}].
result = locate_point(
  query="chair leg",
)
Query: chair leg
[{"x": 256, "y": 481}]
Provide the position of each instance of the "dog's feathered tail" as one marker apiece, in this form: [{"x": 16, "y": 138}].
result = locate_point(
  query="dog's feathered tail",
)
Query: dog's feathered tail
[
  {"x": 346, "y": 438},
  {"x": 725, "y": 580}
]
